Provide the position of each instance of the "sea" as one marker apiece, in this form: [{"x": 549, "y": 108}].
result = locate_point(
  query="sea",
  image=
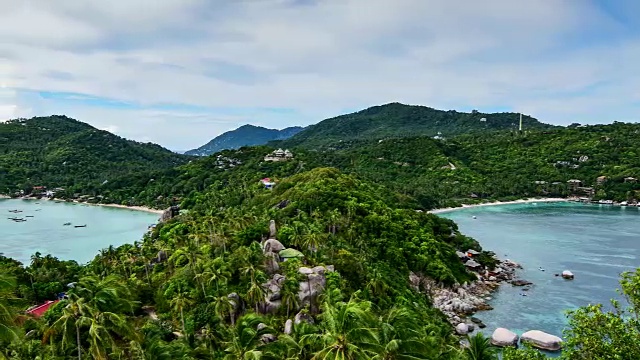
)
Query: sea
[
  {"x": 44, "y": 230},
  {"x": 595, "y": 242}
]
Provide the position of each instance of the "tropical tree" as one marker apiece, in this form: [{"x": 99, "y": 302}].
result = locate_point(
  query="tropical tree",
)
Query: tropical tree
[
  {"x": 245, "y": 339},
  {"x": 7, "y": 312},
  {"x": 348, "y": 331},
  {"x": 480, "y": 348}
]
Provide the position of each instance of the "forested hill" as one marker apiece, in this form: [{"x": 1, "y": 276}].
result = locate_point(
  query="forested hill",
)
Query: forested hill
[
  {"x": 57, "y": 151},
  {"x": 246, "y": 135},
  {"x": 398, "y": 120}
]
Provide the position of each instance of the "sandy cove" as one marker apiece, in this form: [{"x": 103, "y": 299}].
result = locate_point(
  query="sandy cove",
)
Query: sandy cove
[
  {"x": 497, "y": 203},
  {"x": 118, "y": 206}
]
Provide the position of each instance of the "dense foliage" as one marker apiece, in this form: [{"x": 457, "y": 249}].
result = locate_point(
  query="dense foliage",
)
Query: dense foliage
[
  {"x": 245, "y": 135},
  {"x": 57, "y": 151},
  {"x": 173, "y": 293},
  {"x": 398, "y": 120}
]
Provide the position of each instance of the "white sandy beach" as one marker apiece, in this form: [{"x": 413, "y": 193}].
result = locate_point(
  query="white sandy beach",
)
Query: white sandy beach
[
  {"x": 497, "y": 203},
  {"x": 137, "y": 208}
]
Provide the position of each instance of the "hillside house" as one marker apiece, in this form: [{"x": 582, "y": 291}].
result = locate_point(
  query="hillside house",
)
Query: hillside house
[
  {"x": 39, "y": 310},
  {"x": 268, "y": 184},
  {"x": 279, "y": 155},
  {"x": 630, "y": 180},
  {"x": 601, "y": 180},
  {"x": 574, "y": 184}
]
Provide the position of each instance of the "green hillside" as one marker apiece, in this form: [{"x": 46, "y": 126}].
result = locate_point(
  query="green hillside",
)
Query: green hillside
[
  {"x": 57, "y": 151},
  {"x": 398, "y": 120},
  {"x": 361, "y": 263}
]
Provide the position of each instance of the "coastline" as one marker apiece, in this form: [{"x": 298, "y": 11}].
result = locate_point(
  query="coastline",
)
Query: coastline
[
  {"x": 117, "y": 206},
  {"x": 498, "y": 203},
  {"x": 136, "y": 208}
]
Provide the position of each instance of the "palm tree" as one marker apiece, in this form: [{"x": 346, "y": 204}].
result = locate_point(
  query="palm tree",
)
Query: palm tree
[
  {"x": 7, "y": 313},
  {"x": 74, "y": 315},
  {"x": 348, "y": 331},
  {"x": 218, "y": 273},
  {"x": 295, "y": 345},
  {"x": 480, "y": 348},
  {"x": 245, "y": 339},
  {"x": 96, "y": 305},
  {"x": 222, "y": 306},
  {"x": 289, "y": 293},
  {"x": 401, "y": 336},
  {"x": 179, "y": 303}
]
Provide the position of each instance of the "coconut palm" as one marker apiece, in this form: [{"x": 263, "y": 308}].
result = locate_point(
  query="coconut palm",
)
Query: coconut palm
[
  {"x": 244, "y": 343},
  {"x": 7, "y": 313},
  {"x": 75, "y": 314},
  {"x": 480, "y": 348},
  {"x": 348, "y": 331},
  {"x": 94, "y": 311},
  {"x": 179, "y": 303}
]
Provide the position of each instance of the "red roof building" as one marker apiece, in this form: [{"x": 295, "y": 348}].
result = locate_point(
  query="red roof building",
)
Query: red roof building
[{"x": 39, "y": 310}]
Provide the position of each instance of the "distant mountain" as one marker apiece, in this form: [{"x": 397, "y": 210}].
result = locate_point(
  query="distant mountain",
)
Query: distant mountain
[
  {"x": 246, "y": 135},
  {"x": 57, "y": 151},
  {"x": 398, "y": 120}
]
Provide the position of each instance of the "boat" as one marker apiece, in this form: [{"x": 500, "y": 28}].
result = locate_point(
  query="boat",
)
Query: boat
[
  {"x": 81, "y": 226},
  {"x": 66, "y": 224},
  {"x": 29, "y": 216}
]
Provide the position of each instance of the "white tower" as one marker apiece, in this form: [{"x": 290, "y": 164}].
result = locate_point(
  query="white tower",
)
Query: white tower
[{"x": 520, "y": 121}]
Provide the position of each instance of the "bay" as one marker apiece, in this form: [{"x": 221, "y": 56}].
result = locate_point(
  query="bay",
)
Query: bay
[
  {"x": 45, "y": 232},
  {"x": 596, "y": 242}
]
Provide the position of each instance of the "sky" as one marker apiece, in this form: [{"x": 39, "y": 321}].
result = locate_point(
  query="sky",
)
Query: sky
[{"x": 180, "y": 72}]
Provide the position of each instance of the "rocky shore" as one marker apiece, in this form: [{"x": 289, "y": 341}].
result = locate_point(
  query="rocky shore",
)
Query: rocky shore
[{"x": 460, "y": 302}]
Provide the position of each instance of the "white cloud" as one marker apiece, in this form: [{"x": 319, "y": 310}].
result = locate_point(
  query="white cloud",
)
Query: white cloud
[{"x": 318, "y": 59}]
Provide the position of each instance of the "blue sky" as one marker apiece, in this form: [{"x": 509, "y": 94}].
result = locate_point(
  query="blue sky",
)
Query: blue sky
[{"x": 179, "y": 72}]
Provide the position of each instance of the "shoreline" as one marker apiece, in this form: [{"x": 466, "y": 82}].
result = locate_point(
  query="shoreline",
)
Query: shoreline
[
  {"x": 135, "y": 208},
  {"x": 117, "y": 206},
  {"x": 498, "y": 203}
]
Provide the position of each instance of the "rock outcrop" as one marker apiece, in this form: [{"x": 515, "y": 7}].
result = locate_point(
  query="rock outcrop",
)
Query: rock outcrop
[
  {"x": 272, "y": 229},
  {"x": 567, "y": 275},
  {"x": 309, "y": 289},
  {"x": 288, "y": 326},
  {"x": 170, "y": 213},
  {"x": 272, "y": 246},
  {"x": 463, "y": 300},
  {"x": 542, "y": 340},
  {"x": 462, "y": 329},
  {"x": 503, "y": 337}
]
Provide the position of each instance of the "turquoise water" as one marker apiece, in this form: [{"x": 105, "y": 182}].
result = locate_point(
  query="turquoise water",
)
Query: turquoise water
[
  {"x": 44, "y": 232},
  {"x": 596, "y": 243}
]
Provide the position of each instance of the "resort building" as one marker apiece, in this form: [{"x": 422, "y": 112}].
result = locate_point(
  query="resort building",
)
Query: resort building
[
  {"x": 279, "y": 155},
  {"x": 574, "y": 184}
]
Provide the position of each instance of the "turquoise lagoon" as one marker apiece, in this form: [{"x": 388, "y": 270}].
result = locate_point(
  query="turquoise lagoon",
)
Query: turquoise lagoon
[
  {"x": 595, "y": 242},
  {"x": 45, "y": 232}
]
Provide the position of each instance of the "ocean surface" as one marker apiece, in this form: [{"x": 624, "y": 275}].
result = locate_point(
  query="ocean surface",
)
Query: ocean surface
[
  {"x": 45, "y": 232},
  {"x": 595, "y": 242}
]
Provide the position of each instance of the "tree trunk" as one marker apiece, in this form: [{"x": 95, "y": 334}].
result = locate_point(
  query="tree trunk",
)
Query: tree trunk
[
  {"x": 184, "y": 328},
  {"x": 78, "y": 342}
]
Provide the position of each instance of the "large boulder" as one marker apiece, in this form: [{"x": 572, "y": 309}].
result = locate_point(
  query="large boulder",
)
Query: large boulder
[
  {"x": 542, "y": 340},
  {"x": 504, "y": 337},
  {"x": 302, "y": 316},
  {"x": 462, "y": 329},
  {"x": 272, "y": 229},
  {"x": 567, "y": 275},
  {"x": 520, "y": 282},
  {"x": 305, "y": 271},
  {"x": 272, "y": 246},
  {"x": 288, "y": 326},
  {"x": 271, "y": 263}
]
